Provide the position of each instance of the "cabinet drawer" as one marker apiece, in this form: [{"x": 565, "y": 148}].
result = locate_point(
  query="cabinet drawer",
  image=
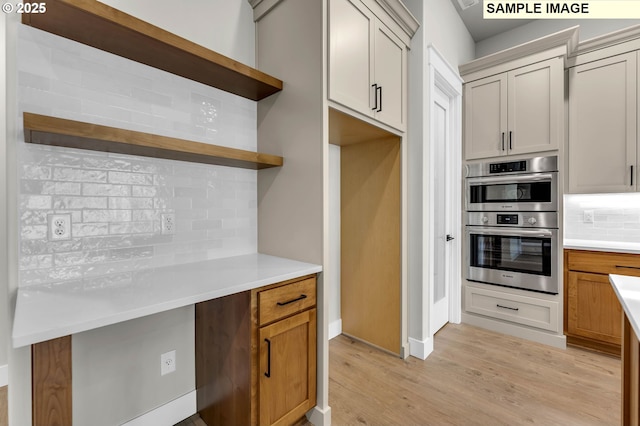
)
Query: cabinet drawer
[
  {"x": 511, "y": 307},
  {"x": 286, "y": 300},
  {"x": 603, "y": 262}
]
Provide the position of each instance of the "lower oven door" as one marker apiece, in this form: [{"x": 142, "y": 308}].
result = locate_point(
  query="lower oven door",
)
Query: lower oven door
[{"x": 519, "y": 258}]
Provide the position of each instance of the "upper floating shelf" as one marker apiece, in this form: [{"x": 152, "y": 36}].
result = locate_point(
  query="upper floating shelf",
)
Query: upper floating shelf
[
  {"x": 101, "y": 26},
  {"x": 42, "y": 129}
]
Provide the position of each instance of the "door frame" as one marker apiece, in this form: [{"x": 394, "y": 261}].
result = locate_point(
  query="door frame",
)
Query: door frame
[{"x": 445, "y": 78}]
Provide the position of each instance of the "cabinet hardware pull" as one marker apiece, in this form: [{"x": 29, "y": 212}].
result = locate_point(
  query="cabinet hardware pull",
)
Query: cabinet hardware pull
[
  {"x": 503, "y": 141},
  {"x": 302, "y": 296},
  {"x": 507, "y": 307},
  {"x": 268, "y": 373},
  {"x": 510, "y": 139},
  {"x": 380, "y": 88},
  {"x": 632, "y": 175},
  {"x": 627, "y": 267},
  {"x": 375, "y": 94}
]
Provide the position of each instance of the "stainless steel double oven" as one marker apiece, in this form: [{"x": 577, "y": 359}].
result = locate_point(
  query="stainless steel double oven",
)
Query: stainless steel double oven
[{"x": 512, "y": 223}]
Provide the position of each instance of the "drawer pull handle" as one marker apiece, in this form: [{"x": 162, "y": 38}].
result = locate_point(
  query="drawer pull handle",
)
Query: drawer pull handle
[
  {"x": 508, "y": 307},
  {"x": 302, "y": 296},
  {"x": 627, "y": 267},
  {"x": 268, "y": 373}
]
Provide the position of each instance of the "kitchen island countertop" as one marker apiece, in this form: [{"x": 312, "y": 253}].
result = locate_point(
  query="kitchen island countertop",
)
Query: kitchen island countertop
[
  {"x": 49, "y": 311},
  {"x": 627, "y": 289}
]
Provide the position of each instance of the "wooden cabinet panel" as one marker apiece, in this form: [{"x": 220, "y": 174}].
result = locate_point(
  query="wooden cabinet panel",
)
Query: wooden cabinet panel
[
  {"x": 517, "y": 112},
  {"x": 594, "y": 310},
  {"x": 389, "y": 75},
  {"x": 485, "y": 117},
  {"x": 602, "y": 125},
  {"x": 287, "y": 369},
  {"x": 52, "y": 397},
  {"x": 535, "y": 108},
  {"x": 286, "y": 300}
]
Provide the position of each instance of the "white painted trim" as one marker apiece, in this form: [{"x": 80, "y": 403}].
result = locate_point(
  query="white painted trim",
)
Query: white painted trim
[
  {"x": 566, "y": 38},
  {"x": 607, "y": 40},
  {"x": 4, "y": 375},
  {"x": 420, "y": 349},
  {"x": 319, "y": 417},
  {"x": 555, "y": 340},
  {"x": 168, "y": 414},
  {"x": 443, "y": 76},
  {"x": 401, "y": 15},
  {"x": 335, "y": 328}
]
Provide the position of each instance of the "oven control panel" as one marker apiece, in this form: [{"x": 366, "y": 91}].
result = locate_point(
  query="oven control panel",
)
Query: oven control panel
[
  {"x": 521, "y": 219},
  {"x": 508, "y": 167}
]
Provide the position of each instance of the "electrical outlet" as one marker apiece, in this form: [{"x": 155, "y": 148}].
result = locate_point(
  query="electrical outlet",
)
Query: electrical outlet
[
  {"x": 167, "y": 362},
  {"x": 587, "y": 216},
  {"x": 168, "y": 226},
  {"x": 59, "y": 227}
]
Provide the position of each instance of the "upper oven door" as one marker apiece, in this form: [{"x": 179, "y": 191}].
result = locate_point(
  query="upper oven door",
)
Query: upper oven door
[{"x": 525, "y": 192}]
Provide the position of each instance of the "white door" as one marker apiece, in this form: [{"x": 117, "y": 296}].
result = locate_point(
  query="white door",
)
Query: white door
[{"x": 442, "y": 211}]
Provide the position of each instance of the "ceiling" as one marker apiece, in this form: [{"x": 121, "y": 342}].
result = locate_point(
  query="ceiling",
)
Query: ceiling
[{"x": 480, "y": 28}]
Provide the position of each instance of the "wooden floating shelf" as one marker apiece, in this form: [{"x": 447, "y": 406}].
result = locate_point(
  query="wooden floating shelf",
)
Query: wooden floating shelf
[
  {"x": 103, "y": 27},
  {"x": 45, "y": 130}
]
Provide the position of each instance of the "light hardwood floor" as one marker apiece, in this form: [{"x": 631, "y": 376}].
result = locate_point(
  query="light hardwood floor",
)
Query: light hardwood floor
[{"x": 473, "y": 377}]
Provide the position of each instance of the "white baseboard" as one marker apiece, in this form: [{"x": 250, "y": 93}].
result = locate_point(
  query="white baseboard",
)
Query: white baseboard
[
  {"x": 4, "y": 375},
  {"x": 320, "y": 417},
  {"x": 335, "y": 328},
  {"x": 555, "y": 340},
  {"x": 420, "y": 349},
  {"x": 168, "y": 414}
]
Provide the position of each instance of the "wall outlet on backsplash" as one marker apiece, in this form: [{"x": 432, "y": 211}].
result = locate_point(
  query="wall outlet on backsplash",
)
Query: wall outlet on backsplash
[
  {"x": 59, "y": 227},
  {"x": 168, "y": 225},
  {"x": 587, "y": 216}
]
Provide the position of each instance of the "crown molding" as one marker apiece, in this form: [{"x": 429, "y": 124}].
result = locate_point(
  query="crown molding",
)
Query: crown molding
[
  {"x": 566, "y": 38},
  {"x": 400, "y": 14},
  {"x": 607, "y": 40}
]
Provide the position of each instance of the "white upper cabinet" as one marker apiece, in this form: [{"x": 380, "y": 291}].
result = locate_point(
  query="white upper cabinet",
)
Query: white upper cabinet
[
  {"x": 367, "y": 64},
  {"x": 515, "y": 112},
  {"x": 602, "y": 125}
]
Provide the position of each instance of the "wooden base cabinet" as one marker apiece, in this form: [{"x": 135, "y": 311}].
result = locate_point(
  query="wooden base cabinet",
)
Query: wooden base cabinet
[
  {"x": 256, "y": 355},
  {"x": 592, "y": 310}
]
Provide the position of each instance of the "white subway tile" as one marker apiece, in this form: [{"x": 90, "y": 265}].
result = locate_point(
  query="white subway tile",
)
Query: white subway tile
[
  {"x": 89, "y": 216},
  {"x": 89, "y": 189},
  {"x": 130, "y": 178},
  {"x": 72, "y": 203},
  {"x": 79, "y": 175}
]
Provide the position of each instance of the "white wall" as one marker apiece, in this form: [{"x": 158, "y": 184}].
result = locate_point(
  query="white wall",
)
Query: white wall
[
  {"x": 588, "y": 29},
  {"x": 62, "y": 78},
  {"x": 441, "y": 27},
  {"x": 4, "y": 319}
]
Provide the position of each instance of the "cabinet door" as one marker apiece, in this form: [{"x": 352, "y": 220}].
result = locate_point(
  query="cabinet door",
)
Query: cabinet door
[
  {"x": 389, "y": 70},
  {"x": 350, "y": 60},
  {"x": 535, "y": 107},
  {"x": 485, "y": 117},
  {"x": 593, "y": 308},
  {"x": 602, "y": 125},
  {"x": 287, "y": 369}
]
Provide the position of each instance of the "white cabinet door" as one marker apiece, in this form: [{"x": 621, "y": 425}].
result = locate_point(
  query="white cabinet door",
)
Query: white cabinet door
[
  {"x": 389, "y": 60},
  {"x": 485, "y": 117},
  {"x": 535, "y": 107},
  {"x": 602, "y": 125},
  {"x": 350, "y": 55}
]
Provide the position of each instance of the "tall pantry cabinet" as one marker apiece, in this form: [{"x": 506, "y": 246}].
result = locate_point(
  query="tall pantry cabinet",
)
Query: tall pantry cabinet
[{"x": 293, "y": 41}]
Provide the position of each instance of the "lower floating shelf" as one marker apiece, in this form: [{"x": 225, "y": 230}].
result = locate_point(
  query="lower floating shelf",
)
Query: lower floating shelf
[{"x": 46, "y": 130}]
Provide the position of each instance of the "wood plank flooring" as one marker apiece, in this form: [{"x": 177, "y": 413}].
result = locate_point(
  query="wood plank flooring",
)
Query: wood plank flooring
[{"x": 473, "y": 377}]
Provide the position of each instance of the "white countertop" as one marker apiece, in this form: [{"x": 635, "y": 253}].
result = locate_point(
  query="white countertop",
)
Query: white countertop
[
  {"x": 613, "y": 246},
  {"x": 628, "y": 291},
  {"x": 45, "y": 312}
]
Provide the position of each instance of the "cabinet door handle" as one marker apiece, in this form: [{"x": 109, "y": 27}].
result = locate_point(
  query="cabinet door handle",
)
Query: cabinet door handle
[
  {"x": 375, "y": 96},
  {"x": 302, "y": 296},
  {"x": 510, "y": 140},
  {"x": 268, "y": 373},
  {"x": 632, "y": 175},
  {"x": 503, "y": 141},
  {"x": 507, "y": 307},
  {"x": 380, "y": 88}
]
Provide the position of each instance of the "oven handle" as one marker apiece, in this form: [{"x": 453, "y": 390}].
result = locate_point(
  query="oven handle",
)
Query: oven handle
[
  {"x": 511, "y": 232},
  {"x": 509, "y": 179}
]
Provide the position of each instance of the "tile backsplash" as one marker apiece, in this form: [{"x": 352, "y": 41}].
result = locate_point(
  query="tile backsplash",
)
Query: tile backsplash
[
  {"x": 616, "y": 217},
  {"x": 116, "y": 201}
]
